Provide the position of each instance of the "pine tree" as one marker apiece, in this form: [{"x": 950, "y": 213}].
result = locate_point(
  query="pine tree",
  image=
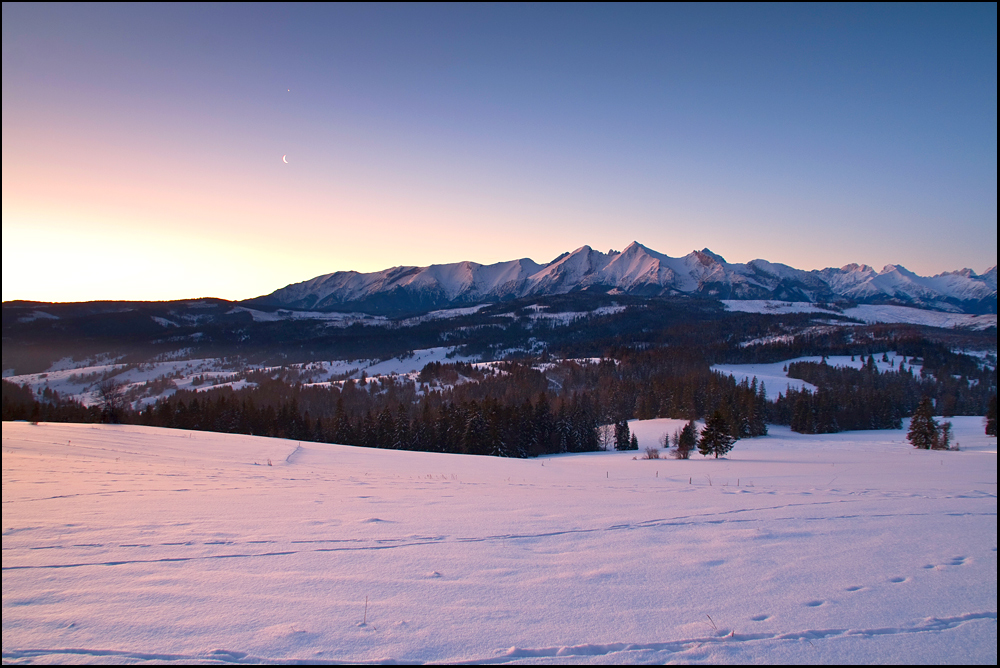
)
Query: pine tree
[
  {"x": 475, "y": 436},
  {"x": 401, "y": 435},
  {"x": 622, "y": 437},
  {"x": 369, "y": 431},
  {"x": 803, "y": 420},
  {"x": 543, "y": 427},
  {"x": 564, "y": 430},
  {"x": 423, "y": 430},
  {"x": 991, "y": 417},
  {"x": 342, "y": 432},
  {"x": 923, "y": 433},
  {"x": 716, "y": 438},
  {"x": 687, "y": 440},
  {"x": 943, "y": 440},
  {"x": 385, "y": 428}
]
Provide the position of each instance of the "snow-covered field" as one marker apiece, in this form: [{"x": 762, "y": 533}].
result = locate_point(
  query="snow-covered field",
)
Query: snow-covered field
[
  {"x": 776, "y": 379},
  {"x": 133, "y": 544},
  {"x": 155, "y": 380},
  {"x": 870, "y": 313},
  {"x": 80, "y": 382}
]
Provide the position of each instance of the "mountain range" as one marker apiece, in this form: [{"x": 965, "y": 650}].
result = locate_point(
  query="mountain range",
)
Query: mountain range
[{"x": 638, "y": 271}]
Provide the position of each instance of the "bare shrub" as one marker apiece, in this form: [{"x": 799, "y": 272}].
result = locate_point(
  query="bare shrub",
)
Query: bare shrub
[
  {"x": 111, "y": 396},
  {"x": 606, "y": 436}
]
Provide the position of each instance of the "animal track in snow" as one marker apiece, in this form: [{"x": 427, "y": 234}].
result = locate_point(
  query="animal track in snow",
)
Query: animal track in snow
[
  {"x": 961, "y": 560},
  {"x": 613, "y": 650}
]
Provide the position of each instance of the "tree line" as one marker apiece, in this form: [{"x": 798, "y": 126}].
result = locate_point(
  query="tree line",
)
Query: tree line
[
  {"x": 528, "y": 408},
  {"x": 848, "y": 399}
]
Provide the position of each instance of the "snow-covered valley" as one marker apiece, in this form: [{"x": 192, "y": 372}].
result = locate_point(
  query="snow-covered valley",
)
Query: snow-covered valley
[{"x": 136, "y": 544}]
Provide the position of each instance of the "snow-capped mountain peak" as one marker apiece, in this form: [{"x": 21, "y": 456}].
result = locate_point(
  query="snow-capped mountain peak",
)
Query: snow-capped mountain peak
[{"x": 637, "y": 270}]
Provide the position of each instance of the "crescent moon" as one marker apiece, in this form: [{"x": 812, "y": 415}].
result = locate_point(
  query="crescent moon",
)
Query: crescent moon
[{"x": 284, "y": 158}]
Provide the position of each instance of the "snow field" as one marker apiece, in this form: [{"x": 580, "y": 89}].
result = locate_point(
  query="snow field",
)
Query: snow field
[
  {"x": 81, "y": 383},
  {"x": 776, "y": 379},
  {"x": 870, "y": 313},
  {"x": 420, "y": 359},
  {"x": 132, "y": 544}
]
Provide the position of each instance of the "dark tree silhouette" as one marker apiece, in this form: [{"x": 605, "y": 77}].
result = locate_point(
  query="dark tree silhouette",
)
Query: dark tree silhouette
[
  {"x": 991, "y": 417},
  {"x": 687, "y": 440},
  {"x": 111, "y": 395},
  {"x": 923, "y": 433},
  {"x": 716, "y": 438},
  {"x": 623, "y": 439}
]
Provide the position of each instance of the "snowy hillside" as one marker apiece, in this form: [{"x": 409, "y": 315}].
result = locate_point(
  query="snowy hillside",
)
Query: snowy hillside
[
  {"x": 144, "y": 384},
  {"x": 639, "y": 271},
  {"x": 142, "y": 545},
  {"x": 870, "y": 313},
  {"x": 775, "y": 377}
]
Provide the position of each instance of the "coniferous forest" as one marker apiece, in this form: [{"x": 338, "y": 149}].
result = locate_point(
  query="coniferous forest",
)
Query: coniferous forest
[{"x": 528, "y": 407}]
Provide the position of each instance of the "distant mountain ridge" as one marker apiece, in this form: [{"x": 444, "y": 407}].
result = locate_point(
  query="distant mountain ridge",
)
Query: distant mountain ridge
[{"x": 638, "y": 271}]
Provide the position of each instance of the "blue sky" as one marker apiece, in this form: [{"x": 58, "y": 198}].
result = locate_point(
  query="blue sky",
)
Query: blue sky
[{"x": 142, "y": 145}]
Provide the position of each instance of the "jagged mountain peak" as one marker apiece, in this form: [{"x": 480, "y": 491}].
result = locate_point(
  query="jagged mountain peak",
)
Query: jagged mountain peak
[
  {"x": 637, "y": 270},
  {"x": 705, "y": 255},
  {"x": 990, "y": 276},
  {"x": 966, "y": 272},
  {"x": 898, "y": 268},
  {"x": 857, "y": 268}
]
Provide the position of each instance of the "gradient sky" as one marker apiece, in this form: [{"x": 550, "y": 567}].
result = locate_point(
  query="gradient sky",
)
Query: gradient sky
[{"x": 142, "y": 145}]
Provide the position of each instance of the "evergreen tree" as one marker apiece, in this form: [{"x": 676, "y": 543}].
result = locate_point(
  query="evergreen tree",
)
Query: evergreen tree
[
  {"x": 943, "y": 441},
  {"x": 623, "y": 440},
  {"x": 475, "y": 438},
  {"x": 423, "y": 430},
  {"x": 544, "y": 431},
  {"x": 803, "y": 420},
  {"x": 564, "y": 430},
  {"x": 369, "y": 433},
  {"x": 716, "y": 438},
  {"x": 342, "y": 432},
  {"x": 687, "y": 440},
  {"x": 923, "y": 433},
  {"x": 991, "y": 417},
  {"x": 402, "y": 436},
  {"x": 385, "y": 429}
]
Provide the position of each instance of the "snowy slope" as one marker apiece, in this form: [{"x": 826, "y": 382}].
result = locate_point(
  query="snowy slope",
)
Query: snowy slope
[
  {"x": 870, "y": 313},
  {"x": 140, "y": 545},
  {"x": 636, "y": 270},
  {"x": 144, "y": 384},
  {"x": 776, "y": 380},
  {"x": 459, "y": 282}
]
